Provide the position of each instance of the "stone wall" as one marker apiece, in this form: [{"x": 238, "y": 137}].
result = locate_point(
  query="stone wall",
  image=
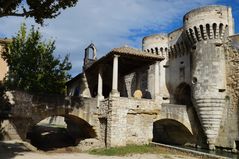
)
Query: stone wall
[
  {"x": 177, "y": 72},
  {"x": 3, "y": 64},
  {"x": 229, "y": 126},
  {"x": 130, "y": 121}
]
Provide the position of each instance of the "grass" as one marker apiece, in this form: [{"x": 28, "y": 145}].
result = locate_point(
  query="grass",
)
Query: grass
[
  {"x": 129, "y": 149},
  {"x": 137, "y": 149}
]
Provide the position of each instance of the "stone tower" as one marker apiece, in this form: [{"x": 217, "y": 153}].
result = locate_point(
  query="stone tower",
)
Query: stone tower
[
  {"x": 158, "y": 45},
  {"x": 206, "y": 29},
  {"x": 195, "y": 64}
]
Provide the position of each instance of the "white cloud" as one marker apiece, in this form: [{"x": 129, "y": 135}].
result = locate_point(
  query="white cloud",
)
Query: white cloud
[{"x": 107, "y": 23}]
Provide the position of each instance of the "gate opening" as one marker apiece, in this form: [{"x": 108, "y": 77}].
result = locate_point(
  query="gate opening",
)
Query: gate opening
[{"x": 168, "y": 131}]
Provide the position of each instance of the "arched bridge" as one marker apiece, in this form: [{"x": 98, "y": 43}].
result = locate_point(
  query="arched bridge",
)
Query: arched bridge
[
  {"x": 116, "y": 121},
  {"x": 176, "y": 124},
  {"x": 177, "y": 113},
  {"x": 29, "y": 109}
]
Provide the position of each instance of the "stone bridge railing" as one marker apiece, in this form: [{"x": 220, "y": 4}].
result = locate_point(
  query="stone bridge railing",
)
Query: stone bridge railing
[
  {"x": 26, "y": 105},
  {"x": 175, "y": 112}
]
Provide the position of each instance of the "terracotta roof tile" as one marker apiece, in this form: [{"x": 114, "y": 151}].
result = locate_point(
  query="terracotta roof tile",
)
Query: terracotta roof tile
[{"x": 135, "y": 52}]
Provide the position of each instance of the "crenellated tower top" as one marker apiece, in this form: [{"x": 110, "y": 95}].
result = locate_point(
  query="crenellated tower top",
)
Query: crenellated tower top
[
  {"x": 213, "y": 22},
  {"x": 156, "y": 44},
  {"x": 210, "y": 22}
]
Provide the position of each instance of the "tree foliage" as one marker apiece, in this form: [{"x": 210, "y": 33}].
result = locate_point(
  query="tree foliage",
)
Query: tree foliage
[
  {"x": 32, "y": 66},
  {"x": 39, "y": 9}
]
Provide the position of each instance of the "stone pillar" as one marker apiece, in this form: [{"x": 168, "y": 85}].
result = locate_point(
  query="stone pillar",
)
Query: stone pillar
[
  {"x": 100, "y": 85},
  {"x": 114, "y": 92},
  {"x": 156, "y": 80}
]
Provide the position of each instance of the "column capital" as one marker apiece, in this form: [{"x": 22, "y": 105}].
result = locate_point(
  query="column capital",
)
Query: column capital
[{"x": 116, "y": 55}]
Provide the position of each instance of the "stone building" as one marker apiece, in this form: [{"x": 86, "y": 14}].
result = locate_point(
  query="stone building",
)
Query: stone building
[
  {"x": 140, "y": 94},
  {"x": 3, "y": 64}
]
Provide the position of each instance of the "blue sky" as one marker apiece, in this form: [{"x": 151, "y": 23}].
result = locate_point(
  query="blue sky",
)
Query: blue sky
[{"x": 111, "y": 23}]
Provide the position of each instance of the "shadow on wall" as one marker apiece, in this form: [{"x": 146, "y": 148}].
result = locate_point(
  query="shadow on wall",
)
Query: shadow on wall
[
  {"x": 5, "y": 110},
  {"x": 5, "y": 107},
  {"x": 182, "y": 94},
  {"x": 11, "y": 149},
  {"x": 143, "y": 74}
]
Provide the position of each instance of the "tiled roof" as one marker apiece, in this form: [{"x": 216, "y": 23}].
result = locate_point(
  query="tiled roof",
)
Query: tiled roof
[{"x": 135, "y": 52}]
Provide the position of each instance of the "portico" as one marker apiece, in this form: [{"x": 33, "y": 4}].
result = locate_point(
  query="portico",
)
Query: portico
[{"x": 118, "y": 63}]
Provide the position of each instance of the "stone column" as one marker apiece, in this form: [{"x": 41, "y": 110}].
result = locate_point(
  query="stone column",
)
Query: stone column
[
  {"x": 100, "y": 85},
  {"x": 156, "y": 80},
  {"x": 114, "y": 92}
]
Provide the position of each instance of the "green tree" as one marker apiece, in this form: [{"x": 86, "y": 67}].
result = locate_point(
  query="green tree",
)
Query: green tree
[
  {"x": 39, "y": 9},
  {"x": 32, "y": 66}
]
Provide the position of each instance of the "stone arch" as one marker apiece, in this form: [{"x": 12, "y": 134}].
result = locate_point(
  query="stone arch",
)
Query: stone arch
[
  {"x": 87, "y": 131},
  {"x": 177, "y": 113},
  {"x": 41, "y": 114},
  {"x": 87, "y": 60},
  {"x": 87, "y": 52},
  {"x": 171, "y": 131},
  {"x": 76, "y": 129},
  {"x": 182, "y": 94}
]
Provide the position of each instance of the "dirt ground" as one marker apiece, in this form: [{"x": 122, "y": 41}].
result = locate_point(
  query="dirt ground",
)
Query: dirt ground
[{"x": 16, "y": 150}]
